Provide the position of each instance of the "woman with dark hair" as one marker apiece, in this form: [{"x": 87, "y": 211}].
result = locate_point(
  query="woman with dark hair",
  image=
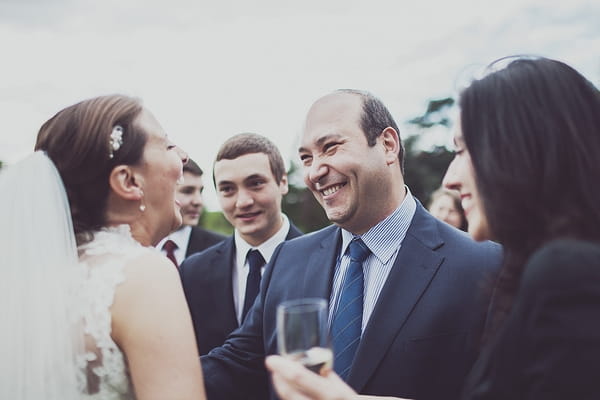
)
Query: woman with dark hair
[
  {"x": 90, "y": 309},
  {"x": 526, "y": 167},
  {"x": 444, "y": 204}
]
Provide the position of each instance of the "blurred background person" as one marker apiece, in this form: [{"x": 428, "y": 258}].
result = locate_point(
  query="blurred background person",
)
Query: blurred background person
[
  {"x": 190, "y": 238},
  {"x": 444, "y": 204}
]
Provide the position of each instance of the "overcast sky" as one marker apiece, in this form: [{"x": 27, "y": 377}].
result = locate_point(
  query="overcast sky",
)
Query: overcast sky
[{"x": 209, "y": 70}]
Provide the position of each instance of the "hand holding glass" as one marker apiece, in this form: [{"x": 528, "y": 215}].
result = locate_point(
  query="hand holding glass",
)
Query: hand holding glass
[{"x": 303, "y": 335}]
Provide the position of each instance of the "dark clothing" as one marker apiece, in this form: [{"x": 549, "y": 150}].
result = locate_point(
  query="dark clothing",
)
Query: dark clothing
[
  {"x": 421, "y": 339},
  {"x": 549, "y": 345},
  {"x": 207, "y": 283},
  {"x": 201, "y": 239}
]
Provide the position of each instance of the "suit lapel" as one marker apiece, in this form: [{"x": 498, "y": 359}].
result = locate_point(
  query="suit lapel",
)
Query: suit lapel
[
  {"x": 191, "y": 247},
  {"x": 293, "y": 232},
  {"x": 223, "y": 278},
  {"x": 415, "y": 266},
  {"x": 321, "y": 264}
]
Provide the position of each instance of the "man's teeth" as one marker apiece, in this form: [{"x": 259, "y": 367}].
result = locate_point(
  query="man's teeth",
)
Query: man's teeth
[{"x": 331, "y": 190}]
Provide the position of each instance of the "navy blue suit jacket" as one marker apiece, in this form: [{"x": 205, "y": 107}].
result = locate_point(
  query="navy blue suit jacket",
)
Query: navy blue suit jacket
[
  {"x": 207, "y": 283},
  {"x": 201, "y": 239},
  {"x": 422, "y": 336}
]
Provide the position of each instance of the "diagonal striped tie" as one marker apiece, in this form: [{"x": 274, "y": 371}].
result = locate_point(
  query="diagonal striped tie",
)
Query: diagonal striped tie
[{"x": 347, "y": 322}]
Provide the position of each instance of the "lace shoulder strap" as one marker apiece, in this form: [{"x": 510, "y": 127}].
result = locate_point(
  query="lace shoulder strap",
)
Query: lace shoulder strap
[{"x": 104, "y": 259}]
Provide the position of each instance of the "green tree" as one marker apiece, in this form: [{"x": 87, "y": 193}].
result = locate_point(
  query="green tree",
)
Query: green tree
[
  {"x": 215, "y": 221},
  {"x": 424, "y": 169},
  {"x": 301, "y": 206}
]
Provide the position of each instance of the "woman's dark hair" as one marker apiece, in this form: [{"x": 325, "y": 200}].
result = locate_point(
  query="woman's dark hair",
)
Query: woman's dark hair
[
  {"x": 77, "y": 139},
  {"x": 533, "y": 133}
]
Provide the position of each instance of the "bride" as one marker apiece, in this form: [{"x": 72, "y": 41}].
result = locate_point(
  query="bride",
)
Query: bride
[{"x": 89, "y": 309}]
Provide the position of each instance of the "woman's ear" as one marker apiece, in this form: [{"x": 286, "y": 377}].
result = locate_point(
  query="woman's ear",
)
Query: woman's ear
[{"x": 125, "y": 183}]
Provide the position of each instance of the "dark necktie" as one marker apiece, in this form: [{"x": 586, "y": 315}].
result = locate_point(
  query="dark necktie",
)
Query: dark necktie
[
  {"x": 347, "y": 322},
  {"x": 170, "y": 247},
  {"x": 255, "y": 262}
]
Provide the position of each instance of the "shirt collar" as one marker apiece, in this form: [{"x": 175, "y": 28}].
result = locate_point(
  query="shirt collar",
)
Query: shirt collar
[
  {"x": 386, "y": 237},
  {"x": 181, "y": 237},
  {"x": 267, "y": 248}
]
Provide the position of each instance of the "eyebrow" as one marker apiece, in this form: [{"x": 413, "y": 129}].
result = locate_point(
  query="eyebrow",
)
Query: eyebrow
[
  {"x": 245, "y": 179},
  {"x": 322, "y": 140},
  {"x": 254, "y": 176}
]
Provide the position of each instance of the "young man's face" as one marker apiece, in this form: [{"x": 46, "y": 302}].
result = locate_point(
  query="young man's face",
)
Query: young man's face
[
  {"x": 250, "y": 196},
  {"x": 189, "y": 195}
]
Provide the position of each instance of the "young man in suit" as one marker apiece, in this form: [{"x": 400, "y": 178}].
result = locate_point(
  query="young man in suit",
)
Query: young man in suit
[
  {"x": 222, "y": 282},
  {"x": 190, "y": 238},
  {"x": 416, "y": 318}
]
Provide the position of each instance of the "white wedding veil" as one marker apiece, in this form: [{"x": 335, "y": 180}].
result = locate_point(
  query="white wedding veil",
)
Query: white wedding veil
[{"x": 40, "y": 335}]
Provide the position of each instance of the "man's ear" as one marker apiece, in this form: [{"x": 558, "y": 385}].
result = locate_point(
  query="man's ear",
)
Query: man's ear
[
  {"x": 391, "y": 144},
  {"x": 126, "y": 183},
  {"x": 283, "y": 185}
]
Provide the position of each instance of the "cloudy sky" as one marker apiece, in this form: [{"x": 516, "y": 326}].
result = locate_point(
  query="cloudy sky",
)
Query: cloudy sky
[{"x": 211, "y": 69}]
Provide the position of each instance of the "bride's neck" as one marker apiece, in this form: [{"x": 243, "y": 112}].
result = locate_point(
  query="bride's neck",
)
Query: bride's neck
[{"x": 129, "y": 214}]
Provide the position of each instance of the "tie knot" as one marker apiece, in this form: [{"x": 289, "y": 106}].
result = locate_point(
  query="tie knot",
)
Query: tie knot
[
  {"x": 169, "y": 246},
  {"x": 255, "y": 259},
  {"x": 358, "y": 250}
]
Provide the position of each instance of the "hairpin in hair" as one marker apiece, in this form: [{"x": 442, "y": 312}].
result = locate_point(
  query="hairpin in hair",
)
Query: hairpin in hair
[{"x": 116, "y": 140}]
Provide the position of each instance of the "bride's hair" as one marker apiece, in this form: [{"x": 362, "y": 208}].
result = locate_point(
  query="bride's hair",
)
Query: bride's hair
[{"x": 78, "y": 140}]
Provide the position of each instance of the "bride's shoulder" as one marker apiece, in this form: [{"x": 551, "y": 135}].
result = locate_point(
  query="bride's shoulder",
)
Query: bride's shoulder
[{"x": 113, "y": 250}]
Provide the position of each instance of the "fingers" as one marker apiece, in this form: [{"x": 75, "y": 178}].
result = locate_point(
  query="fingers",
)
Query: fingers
[
  {"x": 294, "y": 382},
  {"x": 286, "y": 389}
]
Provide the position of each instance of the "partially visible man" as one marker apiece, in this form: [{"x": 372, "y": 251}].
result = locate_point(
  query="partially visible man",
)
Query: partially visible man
[
  {"x": 222, "y": 282},
  {"x": 405, "y": 290},
  {"x": 190, "y": 238}
]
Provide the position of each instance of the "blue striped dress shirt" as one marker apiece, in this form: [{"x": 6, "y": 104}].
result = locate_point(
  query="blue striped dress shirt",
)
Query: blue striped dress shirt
[{"x": 384, "y": 241}]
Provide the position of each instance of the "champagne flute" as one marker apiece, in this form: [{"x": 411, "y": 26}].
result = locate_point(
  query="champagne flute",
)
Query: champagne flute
[{"x": 303, "y": 334}]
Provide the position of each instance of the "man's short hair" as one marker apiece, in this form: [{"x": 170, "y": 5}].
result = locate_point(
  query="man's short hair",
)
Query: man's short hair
[
  {"x": 375, "y": 118},
  {"x": 193, "y": 168},
  {"x": 249, "y": 143}
]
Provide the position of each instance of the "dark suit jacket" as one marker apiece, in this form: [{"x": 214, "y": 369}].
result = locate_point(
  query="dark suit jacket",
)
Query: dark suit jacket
[
  {"x": 201, "y": 239},
  {"x": 207, "y": 283},
  {"x": 549, "y": 345},
  {"x": 422, "y": 337}
]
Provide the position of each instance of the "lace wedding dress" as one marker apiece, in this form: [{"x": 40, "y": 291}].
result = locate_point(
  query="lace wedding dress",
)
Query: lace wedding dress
[
  {"x": 55, "y": 341},
  {"x": 103, "y": 366}
]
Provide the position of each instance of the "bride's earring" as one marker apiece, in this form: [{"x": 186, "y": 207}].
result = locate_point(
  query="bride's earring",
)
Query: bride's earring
[{"x": 142, "y": 205}]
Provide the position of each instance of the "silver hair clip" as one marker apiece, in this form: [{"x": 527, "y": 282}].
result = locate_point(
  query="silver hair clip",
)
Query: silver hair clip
[{"x": 116, "y": 140}]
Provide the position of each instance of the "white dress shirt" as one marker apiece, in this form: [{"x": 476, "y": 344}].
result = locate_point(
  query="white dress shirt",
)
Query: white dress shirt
[
  {"x": 241, "y": 268},
  {"x": 181, "y": 237}
]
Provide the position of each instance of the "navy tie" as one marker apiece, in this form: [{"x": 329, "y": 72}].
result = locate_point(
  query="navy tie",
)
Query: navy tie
[
  {"x": 255, "y": 263},
  {"x": 347, "y": 322}
]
